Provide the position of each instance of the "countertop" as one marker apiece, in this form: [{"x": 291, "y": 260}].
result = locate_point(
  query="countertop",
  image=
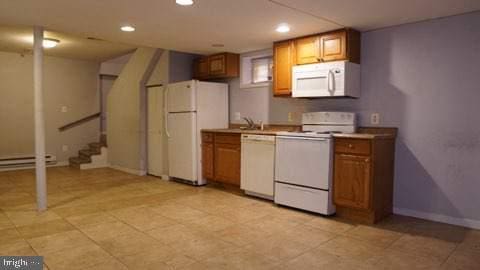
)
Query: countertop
[
  {"x": 371, "y": 136},
  {"x": 243, "y": 131}
]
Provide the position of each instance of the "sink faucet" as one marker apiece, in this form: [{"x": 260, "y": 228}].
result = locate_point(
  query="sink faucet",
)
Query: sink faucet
[{"x": 250, "y": 122}]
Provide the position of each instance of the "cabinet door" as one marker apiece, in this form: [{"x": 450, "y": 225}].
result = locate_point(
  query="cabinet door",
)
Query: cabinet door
[
  {"x": 333, "y": 46},
  {"x": 227, "y": 163},
  {"x": 217, "y": 65},
  {"x": 352, "y": 181},
  {"x": 200, "y": 69},
  {"x": 307, "y": 50},
  {"x": 282, "y": 66},
  {"x": 207, "y": 160}
]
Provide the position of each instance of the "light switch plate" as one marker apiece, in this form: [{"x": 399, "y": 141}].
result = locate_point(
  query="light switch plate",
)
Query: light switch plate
[
  {"x": 238, "y": 116},
  {"x": 64, "y": 109},
  {"x": 375, "y": 118}
]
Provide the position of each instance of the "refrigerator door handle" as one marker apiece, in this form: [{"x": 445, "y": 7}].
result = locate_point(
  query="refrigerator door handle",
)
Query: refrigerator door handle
[{"x": 166, "y": 112}]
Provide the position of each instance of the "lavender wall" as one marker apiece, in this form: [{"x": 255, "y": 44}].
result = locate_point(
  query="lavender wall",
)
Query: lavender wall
[{"x": 425, "y": 79}]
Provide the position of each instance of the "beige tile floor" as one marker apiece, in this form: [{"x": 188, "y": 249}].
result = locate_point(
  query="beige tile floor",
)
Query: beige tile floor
[{"x": 106, "y": 219}]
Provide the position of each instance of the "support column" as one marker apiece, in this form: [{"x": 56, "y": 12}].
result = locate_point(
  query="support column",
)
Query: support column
[{"x": 40, "y": 165}]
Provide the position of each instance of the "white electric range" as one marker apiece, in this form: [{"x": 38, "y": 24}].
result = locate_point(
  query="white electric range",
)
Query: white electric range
[{"x": 304, "y": 161}]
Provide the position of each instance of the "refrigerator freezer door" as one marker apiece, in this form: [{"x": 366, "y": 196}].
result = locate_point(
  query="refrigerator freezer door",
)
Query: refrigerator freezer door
[
  {"x": 181, "y": 97},
  {"x": 182, "y": 150}
]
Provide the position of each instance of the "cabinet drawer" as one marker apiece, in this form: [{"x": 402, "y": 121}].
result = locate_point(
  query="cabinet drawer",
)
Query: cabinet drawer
[
  {"x": 207, "y": 137},
  {"x": 227, "y": 138},
  {"x": 352, "y": 146}
]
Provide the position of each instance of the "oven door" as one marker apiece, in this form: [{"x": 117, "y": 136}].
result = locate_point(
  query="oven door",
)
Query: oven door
[{"x": 304, "y": 161}]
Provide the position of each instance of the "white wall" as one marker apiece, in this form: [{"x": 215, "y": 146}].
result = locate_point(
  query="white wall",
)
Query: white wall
[
  {"x": 114, "y": 66},
  {"x": 71, "y": 83},
  {"x": 124, "y": 112}
]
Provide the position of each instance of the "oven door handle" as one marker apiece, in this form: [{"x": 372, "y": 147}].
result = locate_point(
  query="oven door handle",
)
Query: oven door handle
[{"x": 302, "y": 138}]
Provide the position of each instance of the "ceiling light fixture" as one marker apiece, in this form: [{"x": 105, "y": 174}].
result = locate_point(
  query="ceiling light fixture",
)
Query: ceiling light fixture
[
  {"x": 184, "y": 2},
  {"x": 50, "y": 43},
  {"x": 283, "y": 28},
  {"x": 127, "y": 28}
]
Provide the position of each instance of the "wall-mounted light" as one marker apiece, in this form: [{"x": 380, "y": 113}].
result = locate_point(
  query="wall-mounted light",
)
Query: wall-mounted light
[
  {"x": 184, "y": 2},
  {"x": 127, "y": 28},
  {"x": 283, "y": 28},
  {"x": 50, "y": 43}
]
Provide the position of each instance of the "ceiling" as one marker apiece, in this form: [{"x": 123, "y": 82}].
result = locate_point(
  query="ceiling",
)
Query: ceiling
[
  {"x": 240, "y": 25},
  {"x": 20, "y": 39}
]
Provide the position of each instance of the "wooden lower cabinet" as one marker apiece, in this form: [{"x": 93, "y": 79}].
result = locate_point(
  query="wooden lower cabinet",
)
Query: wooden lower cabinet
[
  {"x": 221, "y": 157},
  {"x": 352, "y": 181},
  {"x": 363, "y": 178},
  {"x": 207, "y": 160},
  {"x": 227, "y": 163}
]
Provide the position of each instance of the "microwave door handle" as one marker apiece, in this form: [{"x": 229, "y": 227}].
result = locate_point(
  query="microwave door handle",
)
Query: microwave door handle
[{"x": 330, "y": 81}]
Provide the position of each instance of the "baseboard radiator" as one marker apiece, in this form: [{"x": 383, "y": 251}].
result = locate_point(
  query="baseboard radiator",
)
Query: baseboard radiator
[{"x": 24, "y": 161}]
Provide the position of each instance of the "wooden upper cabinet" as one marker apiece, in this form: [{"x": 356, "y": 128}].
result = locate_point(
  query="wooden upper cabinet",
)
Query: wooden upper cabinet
[
  {"x": 283, "y": 60},
  {"x": 340, "y": 45},
  {"x": 352, "y": 181},
  {"x": 217, "y": 66},
  {"x": 333, "y": 46},
  {"x": 200, "y": 68},
  {"x": 307, "y": 50}
]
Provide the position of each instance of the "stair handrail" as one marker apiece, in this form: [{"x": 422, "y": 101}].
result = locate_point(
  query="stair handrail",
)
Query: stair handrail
[{"x": 79, "y": 122}]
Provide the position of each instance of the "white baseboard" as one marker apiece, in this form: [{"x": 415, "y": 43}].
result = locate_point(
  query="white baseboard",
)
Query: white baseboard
[
  {"x": 465, "y": 222},
  {"x": 58, "y": 164},
  {"x": 128, "y": 170}
]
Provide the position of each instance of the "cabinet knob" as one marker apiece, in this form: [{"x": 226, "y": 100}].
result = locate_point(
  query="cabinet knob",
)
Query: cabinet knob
[
  {"x": 367, "y": 160},
  {"x": 350, "y": 145}
]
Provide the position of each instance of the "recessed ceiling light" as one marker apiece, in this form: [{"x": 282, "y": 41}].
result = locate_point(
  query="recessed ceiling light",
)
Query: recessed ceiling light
[
  {"x": 283, "y": 28},
  {"x": 127, "y": 28},
  {"x": 184, "y": 2},
  {"x": 50, "y": 43}
]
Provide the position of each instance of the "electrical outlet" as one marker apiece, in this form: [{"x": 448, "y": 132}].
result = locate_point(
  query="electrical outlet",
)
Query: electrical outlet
[
  {"x": 64, "y": 109},
  {"x": 64, "y": 148},
  {"x": 238, "y": 116},
  {"x": 290, "y": 116},
  {"x": 375, "y": 118}
]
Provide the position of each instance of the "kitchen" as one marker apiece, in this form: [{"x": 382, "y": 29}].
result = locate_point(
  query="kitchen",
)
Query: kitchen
[
  {"x": 309, "y": 167},
  {"x": 337, "y": 139}
]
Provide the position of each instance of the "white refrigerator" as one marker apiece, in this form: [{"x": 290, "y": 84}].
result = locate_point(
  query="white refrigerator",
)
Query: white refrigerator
[{"x": 190, "y": 107}]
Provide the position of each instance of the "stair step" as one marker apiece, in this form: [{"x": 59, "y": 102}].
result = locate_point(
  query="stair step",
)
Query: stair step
[
  {"x": 75, "y": 162},
  {"x": 87, "y": 153},
  {"x": 79, "y": 160},
  {"x": 96, "y": 146}
]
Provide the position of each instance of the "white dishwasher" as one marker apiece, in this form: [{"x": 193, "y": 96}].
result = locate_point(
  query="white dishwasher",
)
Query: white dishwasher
[{"x": 258, "y": 165}]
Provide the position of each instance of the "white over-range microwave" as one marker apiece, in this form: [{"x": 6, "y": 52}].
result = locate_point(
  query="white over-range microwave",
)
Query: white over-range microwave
[{"x": 332, "y": 79}]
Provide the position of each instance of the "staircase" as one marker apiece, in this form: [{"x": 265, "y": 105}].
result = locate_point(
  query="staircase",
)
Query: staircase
[{"x": 95, "y": 156}]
